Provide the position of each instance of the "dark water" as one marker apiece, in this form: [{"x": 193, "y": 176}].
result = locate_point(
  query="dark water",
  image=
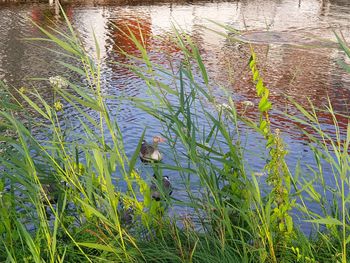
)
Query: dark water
[{"x": 294, "y": 41}]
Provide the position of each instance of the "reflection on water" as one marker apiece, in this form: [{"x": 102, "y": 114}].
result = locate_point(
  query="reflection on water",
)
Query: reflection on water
[{"x": 292, "y": 41}]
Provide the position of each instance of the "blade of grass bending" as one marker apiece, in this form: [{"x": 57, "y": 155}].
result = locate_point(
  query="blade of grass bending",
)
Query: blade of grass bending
[
  {"x": 134, "y": 157},
  {"x": 72, "y": 68},
  {"x": 35, "y": 252},
  {"x": 59, "y": 42}
]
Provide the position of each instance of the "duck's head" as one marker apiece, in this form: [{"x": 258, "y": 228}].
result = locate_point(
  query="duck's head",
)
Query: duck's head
[
  {"x": 158, "y": 139},
  {"x": 166, "y": 186},
  {"x": 164, "y": 176}
]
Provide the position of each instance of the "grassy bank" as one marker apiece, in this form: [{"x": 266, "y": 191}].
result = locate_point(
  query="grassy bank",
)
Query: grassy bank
[{"x": 79, "y": 198}]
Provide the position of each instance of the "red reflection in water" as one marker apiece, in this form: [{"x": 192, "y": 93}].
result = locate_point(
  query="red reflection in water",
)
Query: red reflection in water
[
  {"x": 46, "y": 16},
  {"x": 122, "y": 32},
  {"x": 303, "y": 75},
  {"x": 296, "y": 72}
]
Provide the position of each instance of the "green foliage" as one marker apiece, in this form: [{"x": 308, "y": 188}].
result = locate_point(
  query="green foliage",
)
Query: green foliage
[
  {"x": 279, "y": 200},
  {"x": 60, "y": 199}
]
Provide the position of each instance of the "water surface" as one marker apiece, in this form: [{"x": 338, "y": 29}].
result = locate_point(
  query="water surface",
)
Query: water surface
[{"x": 294, "y": 42}]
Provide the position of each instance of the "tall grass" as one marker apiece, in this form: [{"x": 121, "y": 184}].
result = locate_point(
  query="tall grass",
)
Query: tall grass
[{"x": 61, "y": 199}]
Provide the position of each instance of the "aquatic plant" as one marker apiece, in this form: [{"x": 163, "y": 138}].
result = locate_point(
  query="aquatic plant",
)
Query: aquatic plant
[{"x": 280, "y": 228}]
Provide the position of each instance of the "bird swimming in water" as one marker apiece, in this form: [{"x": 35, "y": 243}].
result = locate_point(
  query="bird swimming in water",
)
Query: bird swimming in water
[
  {"x": 166, "y": 188},
  {"x": 150, "y": 152}
]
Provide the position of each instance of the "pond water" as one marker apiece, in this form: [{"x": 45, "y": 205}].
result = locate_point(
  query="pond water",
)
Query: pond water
[{"x": 294, "y": 42}]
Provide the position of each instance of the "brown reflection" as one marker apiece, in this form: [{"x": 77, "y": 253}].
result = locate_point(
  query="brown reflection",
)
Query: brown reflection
[
  {"x": 338, "y": 2},
  {"x": 296, "y": 72},
  {"x": 137, "y": 25},
  {"x": 46, "y": 15},
  {"x": 120, "y": 32},
  {"x": 123, "y": 30},
  {"x": 301, "y": 74}
]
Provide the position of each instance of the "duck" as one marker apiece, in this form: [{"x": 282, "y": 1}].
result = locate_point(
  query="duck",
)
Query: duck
[
  {"x": 167, "y": 188},
  {"x": 50, "y": 193},
  {"x": 126, "y": 215},
  {"x": 150, "y": 152}
]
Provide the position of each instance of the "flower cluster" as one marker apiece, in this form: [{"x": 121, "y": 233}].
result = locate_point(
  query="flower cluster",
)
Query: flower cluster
[
  {"x": 22, "y": 90},
  {"x": 223, "y": 106},
  {"x": 58, "y": 106},
  {"x": 58, "y": 82},
  {"x": 248, "y": 103}
]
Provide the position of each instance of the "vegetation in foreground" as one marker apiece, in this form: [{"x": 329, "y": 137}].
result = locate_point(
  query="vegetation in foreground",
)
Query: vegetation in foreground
[{"x": 78, "y": 197}]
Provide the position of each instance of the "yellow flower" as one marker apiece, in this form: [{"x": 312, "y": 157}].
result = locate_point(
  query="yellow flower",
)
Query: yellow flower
[
  {"x": 22, "y": 90},
  {"x": 58, "y": 106},
  {"x": 79, "y": 169}
]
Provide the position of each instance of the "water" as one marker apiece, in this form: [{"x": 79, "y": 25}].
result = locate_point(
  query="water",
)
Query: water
[{"x": 294, "y": 42}]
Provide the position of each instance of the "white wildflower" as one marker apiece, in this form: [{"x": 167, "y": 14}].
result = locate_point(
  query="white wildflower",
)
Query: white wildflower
[
  {"x": 248, "y": 103},
  {"x": 223, "y": 106},
  {"x": 58, "y": 82}
]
